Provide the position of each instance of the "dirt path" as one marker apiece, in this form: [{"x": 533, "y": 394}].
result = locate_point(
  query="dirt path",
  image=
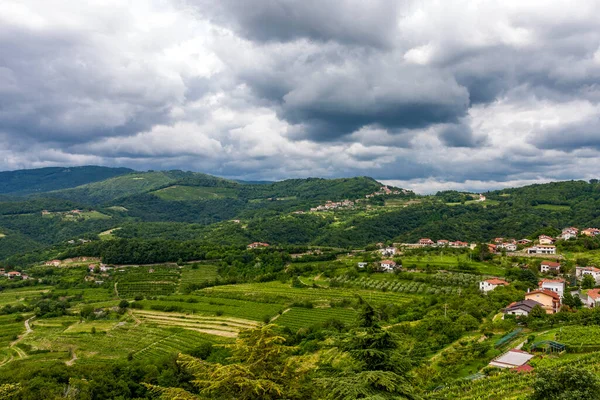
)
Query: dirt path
[
  {"x": 72, "y": 360},
  {"x": 135, "y": 318},
  {"x": 28, "y": 330},
  {"x": 279, "y": 315},
  {"x": 116, "y": 290}
]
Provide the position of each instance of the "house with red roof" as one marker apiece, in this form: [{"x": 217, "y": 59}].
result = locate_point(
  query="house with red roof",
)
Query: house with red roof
[
  {"x": 549, "y": 266},
  {"x": 442, "y": 243},
  {"x": 591, "y": 232},
  {"x": 491, "y": 284},
  {"x": 13, "y": 274},
  {"x": 544, "y": 239},
  {"x": 591, "y": 298},
  {"x": 388, "y": 265},
  {"x": 426, "y": 242},
  {"x": 550, "y": 300},
  {"x": 256, "y": 245}
]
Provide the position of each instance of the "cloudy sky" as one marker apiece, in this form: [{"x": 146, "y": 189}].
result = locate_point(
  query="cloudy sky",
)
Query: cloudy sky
[{"x": 428, "y": 95}]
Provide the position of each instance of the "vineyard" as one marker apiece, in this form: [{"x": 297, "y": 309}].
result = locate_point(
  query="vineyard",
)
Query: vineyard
[
  {"x": 245, "y": 309},
  {"x": 201, "y": 274},
  {"x": 283, "y": 293},
  {"x": 297, "y": 317},
  {"x": 219, "y": 326},
  {"x": 441, "y": 283},
  {"x": 147, "y": 281}
]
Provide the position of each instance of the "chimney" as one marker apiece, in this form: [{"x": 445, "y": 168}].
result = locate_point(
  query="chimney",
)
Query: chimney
[{"x": 527, "y": 290}]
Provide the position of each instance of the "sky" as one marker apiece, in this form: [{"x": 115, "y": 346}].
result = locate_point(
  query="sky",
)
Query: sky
[{"x": 424, "y": 95}]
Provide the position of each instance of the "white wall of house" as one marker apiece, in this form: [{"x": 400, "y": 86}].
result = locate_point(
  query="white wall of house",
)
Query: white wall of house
[{"x": 558, "y": 287}]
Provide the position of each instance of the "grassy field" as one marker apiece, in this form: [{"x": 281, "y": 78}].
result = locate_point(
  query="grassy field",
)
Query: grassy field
[
  {"x": 190, "y": 193},
  {"x": 297, "y": 317}
]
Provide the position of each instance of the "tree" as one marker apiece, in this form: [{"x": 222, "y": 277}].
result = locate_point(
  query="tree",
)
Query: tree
[
  {"x": 379, "y": 372},
  {"x": 123, "y": 304},
  {"x": 588, "y": 282},
  {"x": 537, "y": 312},
  {"x": 566, "y": 383},
  {"x": 261, "y": 367}
]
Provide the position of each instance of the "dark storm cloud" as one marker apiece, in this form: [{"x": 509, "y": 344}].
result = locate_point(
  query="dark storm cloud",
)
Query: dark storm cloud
[
  {"x": 569, "y": 137},
  {"x": 55, "y": 87},
  {"x": 353, "y": 22}
]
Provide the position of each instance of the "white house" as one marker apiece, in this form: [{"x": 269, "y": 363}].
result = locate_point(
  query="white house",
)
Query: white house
[
  {"x": 521, "y": 308},
  {"x": 507, "y": 246},
  {"x": 426, "y": 242},
  {"x": 442, "y": 243},
  {"x": 549, "y": 266},
  {"x": 568, "y": 235},
  {"x": 557, "y": 285},
  {"x": 542, "y": 249},
  {"x": 543, "y": 239},
  {"x": 388, "y": 265},
  {"x": 388, "y": 251},
  {"x": 580, "y": 272},
  {"x": 491, "y": 284}
]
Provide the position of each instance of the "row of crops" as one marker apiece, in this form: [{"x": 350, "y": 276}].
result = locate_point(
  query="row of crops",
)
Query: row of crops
[
  {"x": 129, "y": 290},
  {"x": 297, "y": 318},
  {"x": 284, "y": 293},
  {"x": 395, "y": 285}
]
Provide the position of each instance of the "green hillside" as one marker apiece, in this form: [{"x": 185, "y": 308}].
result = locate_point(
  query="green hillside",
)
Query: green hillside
[{"x": 28, "y": 181}]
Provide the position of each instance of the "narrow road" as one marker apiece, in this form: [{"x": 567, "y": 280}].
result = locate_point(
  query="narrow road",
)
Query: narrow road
[
  {"x": 72, "y": 360},
  {"x": 116, "y": 290}
]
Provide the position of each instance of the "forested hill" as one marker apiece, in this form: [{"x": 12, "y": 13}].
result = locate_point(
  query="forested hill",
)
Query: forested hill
[
  {"x": 183, "y": 206},
  {"x": 22, "y": 182}
]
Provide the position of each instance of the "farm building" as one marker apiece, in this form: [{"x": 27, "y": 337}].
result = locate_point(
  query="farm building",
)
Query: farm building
[{"x": 511, "y": 359}]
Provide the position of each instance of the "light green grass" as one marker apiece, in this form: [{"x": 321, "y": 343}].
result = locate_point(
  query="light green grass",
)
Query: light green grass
[
  {"x": 552, "y": 207},
  {"x": 190, "y": 193}
]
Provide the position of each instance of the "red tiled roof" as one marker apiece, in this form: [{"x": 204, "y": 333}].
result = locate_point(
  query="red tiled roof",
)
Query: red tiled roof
[
  {"x": 594, "y": 293},
  {"x": 547, "y": 292},
  {"x": 551, "y": 264},
  {"x": 558, "y": 280},
  {"x": 496, "y": 281}
]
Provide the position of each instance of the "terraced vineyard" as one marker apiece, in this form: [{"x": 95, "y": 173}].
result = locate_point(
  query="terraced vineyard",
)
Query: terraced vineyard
[
  {"x": 283, "y": 293},
  {"x": 298, "y": 317},
  {"x": 147, "y": 281},
  {"x": 203, "y": 273},
  {"x": 211, "y": 325},
  {"x": 148, "y": 337},
  {"x": 245, "y": 309}
]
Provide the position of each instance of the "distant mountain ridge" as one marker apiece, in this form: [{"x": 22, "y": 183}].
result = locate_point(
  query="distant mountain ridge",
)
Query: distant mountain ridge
[{"x": 40, "y": 180}]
